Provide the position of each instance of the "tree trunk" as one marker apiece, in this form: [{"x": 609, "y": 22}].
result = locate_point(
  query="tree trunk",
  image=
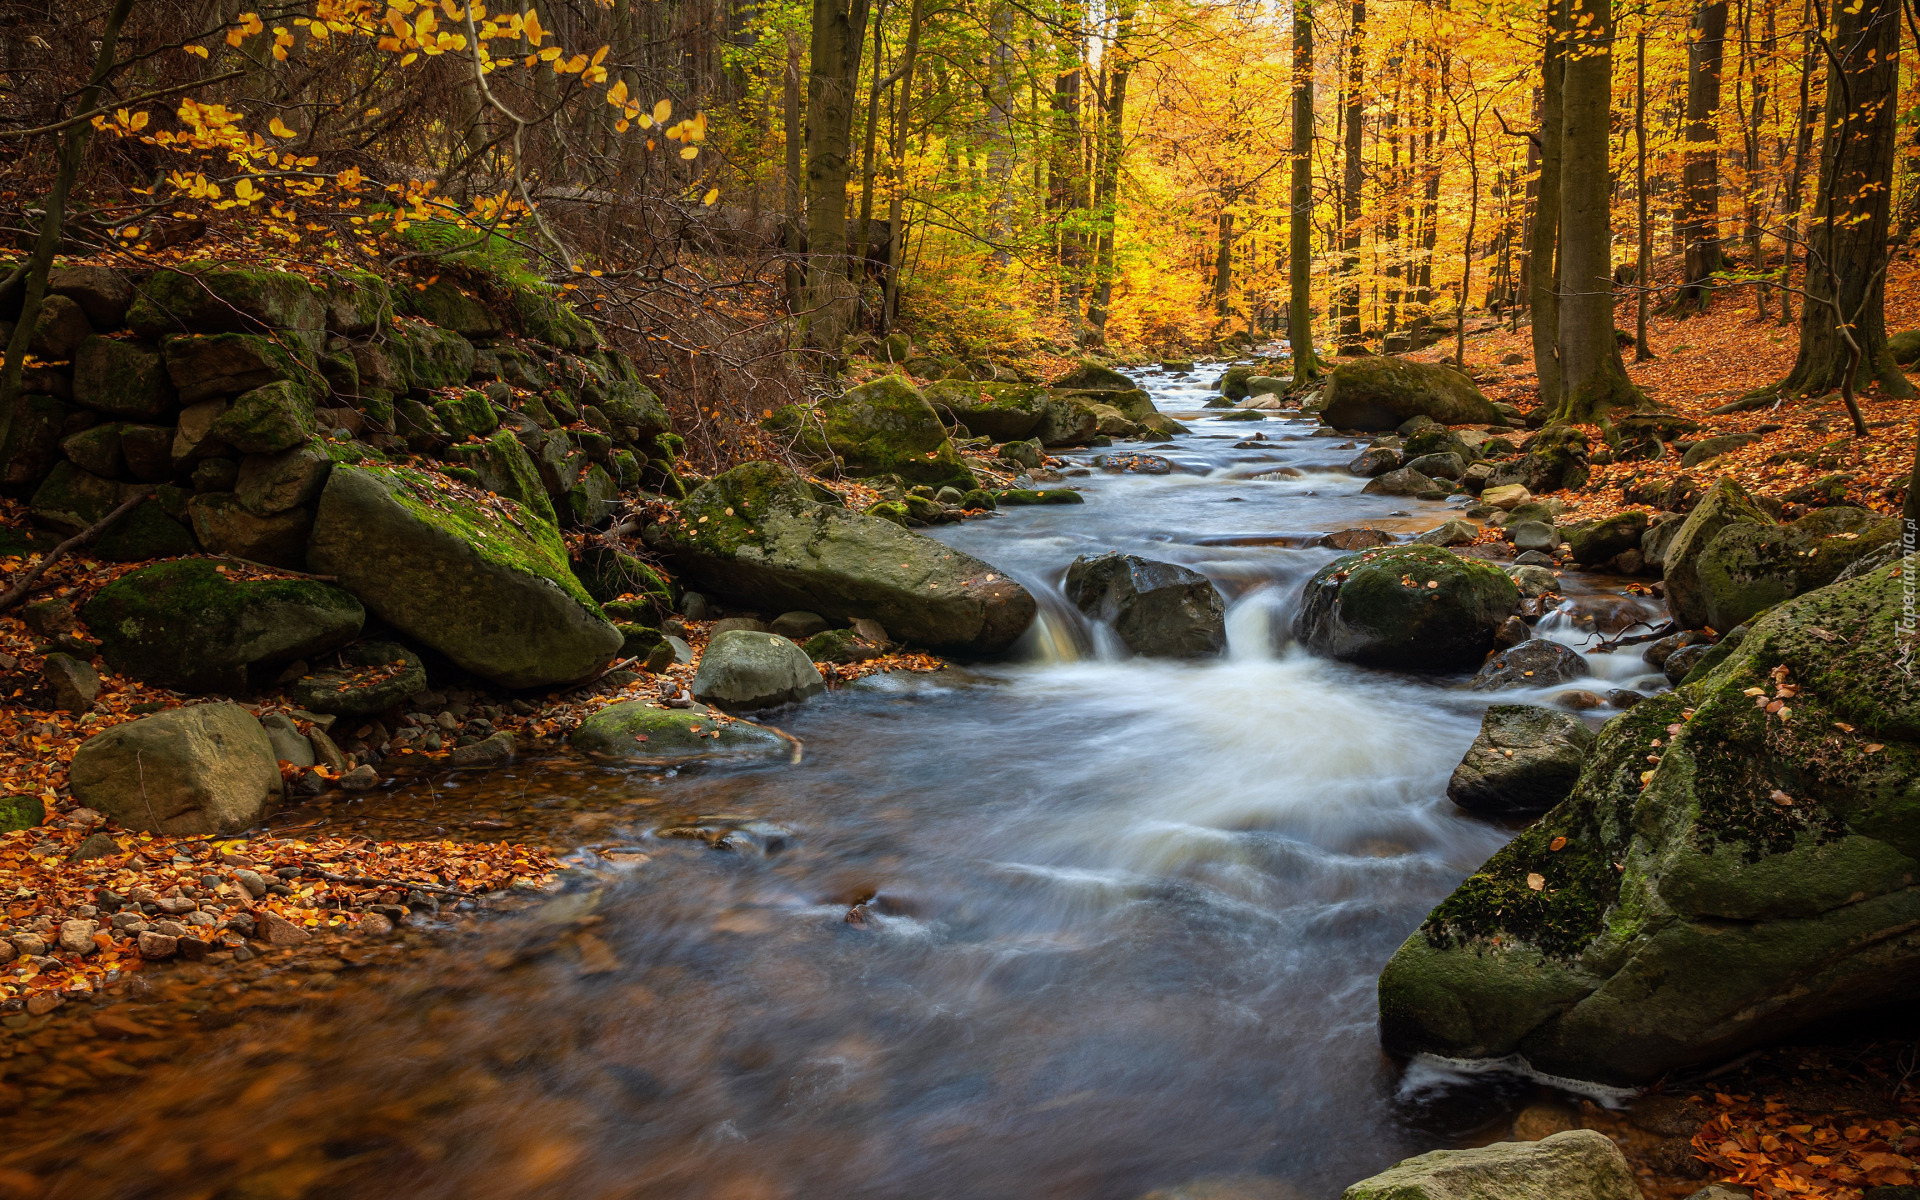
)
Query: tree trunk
[
  {"x": 39, "y": 266},
  {"x": 796, "y": 135},
  {"x": 1847, "y": 242},
  {"x": 1355, "y": 180},
  {"x": 896, "y": 202},
  {"x": 1107, "y": 178},
  {"x": 864, "y": 251},
  {"x": 1390, "y": 198},
  {"x": 1643, "y": 260},
  {"x": 839, "y": 28},
  {"x": 1223, "y": 263},
  {"x": 1306, "y": 365},
  {"x": 1543, "y": 245},
  {"x": 1700, "y": 178},
  {"x": 1593, "y": 381},
  {"x": 1064, "y": 185},
  {"x": 1802, "y": 146}
]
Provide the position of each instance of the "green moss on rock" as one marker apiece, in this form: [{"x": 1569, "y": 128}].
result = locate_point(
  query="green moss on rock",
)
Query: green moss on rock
[
  {"x": 226, "y": 298},
  {"x": 1412, "y": 607},
  {"x": 122, "y": 379},
  {"x": 885, "y": 427},
  {"x": 267, "y": 419},
  {"x": 1383, "y": 392}
]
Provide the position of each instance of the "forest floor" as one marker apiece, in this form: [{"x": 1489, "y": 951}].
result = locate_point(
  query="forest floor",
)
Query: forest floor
[{"x": 1705, "y": 360}]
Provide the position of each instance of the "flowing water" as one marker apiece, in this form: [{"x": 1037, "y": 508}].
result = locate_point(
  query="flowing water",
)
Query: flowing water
[{"x": 1118, "y": 926}]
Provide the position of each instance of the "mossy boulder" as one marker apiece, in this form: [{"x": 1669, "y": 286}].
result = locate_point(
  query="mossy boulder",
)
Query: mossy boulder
[
  {"x": 1726, "y": 503},
  {"x": 450, "y": 306},
  {"x": 1156, "y": 609},
  {"x": 1411, "y": 607},
  {"x": 1383, "y": 392},
  {"x": 592, "y": 501},
  {"x": 1233, "y": 382},
  {"x": 146, "y": 532},
  {"x": 466, "y": 415},
  {"x": 357, "y": 302},
  {"x": 609, "y": 574},
  {"x": 32, "y": 444},
  {"x": 636, "y": 414},
  {"x": 427, "y": 356},
  {"x": 224, "y": 525},
  {"x": 371, "y": 678},
  {"x": 465, "y": 572},
  {"x": 759, "y": 534},
  {"x": 1556, "y": 458},
  {"x": 1738, "y": 861},
  {"x": 637, "y": 733},
  {"x": 122, "y": 379},
  {"x": 1023, "y": 496},
  {"x": 21, "y": 812},
  {"x": 267, "y": 420},
  {"x": 1905, "y": 347},
  {"x": 95, "y": 450},
  {"x": 227, "y": 298},
  {"x": 1005, "y": 412},
  {"x": 1594, "y": 542},
  {"x": 186, "y": 625},
  {"x": 277, "y": 483},
  {"x": 209, "y": 366},
  {"x": 545, "y": 317},
  {"x": 1747, "y": 569},
  {"x": 841, "y": 646},
  {"x": 1065, "y": 420},
  {"x": 743, "y": 670},
  {"x": 1091, "y": 376},
  {"x": 503, "y": 466},
  {"x": 885, "y": 427}
]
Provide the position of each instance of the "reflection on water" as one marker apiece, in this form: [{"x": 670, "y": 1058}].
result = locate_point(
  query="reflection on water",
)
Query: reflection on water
[{"x": 1079, "y": 926}]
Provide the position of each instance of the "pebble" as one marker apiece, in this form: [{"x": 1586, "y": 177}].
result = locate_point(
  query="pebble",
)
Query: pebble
[
  {"x": 279, "y": 931},
  {"x": 361, "y": 778},
  {"x": 1579, "y": 701},
  {"x": 41, "y": 1003},
  {"x": 30, "y": 944},
  {"x": 251, "y": 882},
  {"x": 376, "y": 925},
  {"x": 168, "y": 928},
  {"x": 7, "y": 952},
  {"x": 175, "y": 905}
]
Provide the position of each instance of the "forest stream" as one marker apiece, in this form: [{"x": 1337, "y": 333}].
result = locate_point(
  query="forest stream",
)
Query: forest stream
[{"x": 1075, "y": 926}]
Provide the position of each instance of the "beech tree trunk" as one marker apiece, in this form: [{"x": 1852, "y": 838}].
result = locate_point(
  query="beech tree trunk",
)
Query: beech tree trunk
[
  {"x": 1543, "y": 244},
  {"x": 796, "y": 138},
  {"x": 1306, "y": 364},
  {"x": 1065, "y": 189},
  {"x": 896, "y": 202},
  {"x": 1593, "y": 381},
  {"x": 839, "y": 28},
  {"x": 1700, "y": 178},
  {"x": 1107, "y": 180},
  {"x": 1355, "y": 179},
  {"x": 1222, "y": 262},
  {"x": 1847, "y": 239}
]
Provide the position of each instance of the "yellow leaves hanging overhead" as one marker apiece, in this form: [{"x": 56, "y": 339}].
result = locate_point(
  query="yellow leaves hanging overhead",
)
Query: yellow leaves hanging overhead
[{"x": 279, "y": 129}]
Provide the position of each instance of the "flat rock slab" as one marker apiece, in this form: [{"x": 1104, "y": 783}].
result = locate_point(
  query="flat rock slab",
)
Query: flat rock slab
[{"x": 636, "y": 733}]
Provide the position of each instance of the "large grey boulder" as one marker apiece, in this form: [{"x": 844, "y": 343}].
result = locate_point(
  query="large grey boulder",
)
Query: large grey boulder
[
  {"x": 1578, "y": 1164},
  {"x": 759, "y": 534},
  {"x": 1726, "y": 503},
  {"x": 1383, "y": 392},
  {"x": 882, "y": 427},
  {"x": 227, "y": 298},
  {"x": 1736, "y": 862},
  {"x": 185, "y": 625},
  {"x": 1748, "y": 568},
  {"x": 744, "y": 669},
  {"x": 638, "y": 733},
  {"x": 1525, "y": 760},
  {"x": 1412, "y": 607},
  {"x": 200, "y": 770},
  {"x": 474, "y": 576},
  {"x": 1005, "y": 412},
  {"x": 1159, "y": 610},
  {"x": 122, "y": 379}
]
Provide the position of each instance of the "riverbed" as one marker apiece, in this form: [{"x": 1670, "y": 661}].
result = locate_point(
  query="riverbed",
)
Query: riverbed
[{"x": 1075, "y": 925}]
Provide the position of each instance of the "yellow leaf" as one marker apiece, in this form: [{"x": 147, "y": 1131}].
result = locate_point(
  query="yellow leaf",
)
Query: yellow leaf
[
  {"x": 620, "y": 126},
  {"x": 662, "y": 111},
  {"x": 712, "y": 195},
  {"x": 193, "y": 49},
  {"x": 530, "y": 25},
  {"x": 278, "y": 128},
  {"x": 1537, "y": 881},
  {"x": 600, "y": 56},
  {"x": 550, "y": 53},
  {"x": 689, "y": 152},
  {"x": 617, "y": 94}
]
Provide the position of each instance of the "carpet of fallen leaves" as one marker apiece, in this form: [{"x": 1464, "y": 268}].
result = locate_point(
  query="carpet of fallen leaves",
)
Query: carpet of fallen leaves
[{"x": 1704, "y": 361}]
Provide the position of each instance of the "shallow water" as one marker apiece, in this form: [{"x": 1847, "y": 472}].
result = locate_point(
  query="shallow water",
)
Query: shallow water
[{"x": 1119, "y": 922}]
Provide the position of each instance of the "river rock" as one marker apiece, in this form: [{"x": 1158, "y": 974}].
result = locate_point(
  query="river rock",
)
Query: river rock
[
  {"x": 1411, "y": 607},
  {"x": 884, "y": 427},
  {"x": 1506, "y": 497},
  {"x": 799, "y": 626},
  {"x": 1533, "y": 663},
  {"x": 1525, "y": 760},
  {"x": 1748, "y": 568},
  {"x": 638, "y": 733},
  {"x": 493, "y": 751},
  {"x": 1376, "y": 460},
  {"x": 289, "y": 744},
  {"x": 1534, "y": 580},
  {"x": 1579, "y": 1164},
  {"x": 225, "y": 526},
  {"x": 1382, "y": 392},
  {"x": 1556, "y": 458},
  {"x": 1404, "y": 482},
  {"x": 1158, "y": 610},
  {"x": 199, "y": 770},
  {"x": 74, "y": 684},
  {"x": 187, "y": 626},
  {"x": 1533, "y": 535},
  {"x": 1438, "y": 466},
  {"x": 1765, "y": 856},
  {"x": 743, "y": 670},
  {"x": 373, "y": 677},
  {"x": 1455, "y": 532},
  {"x": 1681, "y": 662},
  {"x": 1713, "y": 447},
  {"x": 759, "y": 533},
  {"x": 470, "y": 574},
  {"x": 1726, "y": 503}
]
